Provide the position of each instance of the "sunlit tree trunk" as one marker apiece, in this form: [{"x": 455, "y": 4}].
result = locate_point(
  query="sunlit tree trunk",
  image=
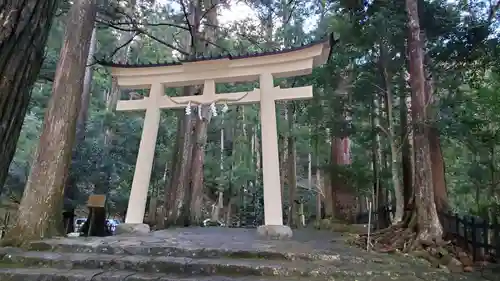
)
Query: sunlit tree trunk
[
  {"x": 25, "y": 28},
  {"x": 429, "y": 227},
  {"x": 378, "y": 194},
  {"x": 40, "y": 208}
]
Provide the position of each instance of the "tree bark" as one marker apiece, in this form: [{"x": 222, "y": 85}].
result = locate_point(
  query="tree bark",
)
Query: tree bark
[
  {"x": 40, "y": 208},
  {"x": 200, "y": 140},
  {"x": 292, "y": 165},
  {"x": 378, "y": 193},
  {"x": 177, "y": 193},
  {"x": 70, "y": 188},
  {"x": 406, "y": 159},
  {"x": 320, "y": 191},
  {"x": 282, "y": 156},
  {"x": 335, "y": 181},
  {"x": 429, "y": 227},
  {"x": 25, "y": 29},
  {"x": 185, "y": 193},
  {"x": 196, "y": 175},
  {"x": 387, "y": 82},
  {"x": 437, "y": 161}
]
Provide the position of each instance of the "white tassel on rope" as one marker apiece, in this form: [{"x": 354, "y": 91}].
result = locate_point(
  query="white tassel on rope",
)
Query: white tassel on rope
[
  {"x": 188, "y": 109},
  {"x": 213, "y": 109},
  {"x": 225, "y": 108}
]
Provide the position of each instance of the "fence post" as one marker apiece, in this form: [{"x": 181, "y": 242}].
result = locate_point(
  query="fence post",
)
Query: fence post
[
  {"x": 464, "y": 223},
  {"x": 486, "y": 236},
  {"x": 496, "y": 238},
  {"x": 473, "y": 238}
]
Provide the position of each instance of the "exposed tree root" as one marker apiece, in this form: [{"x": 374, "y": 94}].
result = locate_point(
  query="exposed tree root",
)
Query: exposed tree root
[{"x": 403, "y": 238}]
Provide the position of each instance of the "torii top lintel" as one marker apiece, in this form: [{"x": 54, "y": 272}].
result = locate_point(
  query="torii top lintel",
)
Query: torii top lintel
[{"x": 284, "y": 63}]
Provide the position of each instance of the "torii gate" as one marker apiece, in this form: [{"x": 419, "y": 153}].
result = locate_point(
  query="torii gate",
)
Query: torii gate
[{"x": 264, "y": 67}]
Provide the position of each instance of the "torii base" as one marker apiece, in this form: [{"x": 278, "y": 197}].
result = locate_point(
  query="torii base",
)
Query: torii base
[
  {"x": 132, "y": 229},
  {"x": 275, "y": 232}
]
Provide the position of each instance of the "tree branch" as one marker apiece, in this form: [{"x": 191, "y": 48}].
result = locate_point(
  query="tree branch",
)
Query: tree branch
[
  {"x": 190, "y": 26},
  {"x": 117, "y": 49},
  {"x": 242, "y": 35},
  {"x": 139, "y": 30}
]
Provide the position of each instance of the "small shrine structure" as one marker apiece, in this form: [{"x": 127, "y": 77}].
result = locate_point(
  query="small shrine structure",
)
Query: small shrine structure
[{"x": 263, "y": 67}]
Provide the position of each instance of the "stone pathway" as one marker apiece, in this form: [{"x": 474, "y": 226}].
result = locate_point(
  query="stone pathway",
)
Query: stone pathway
[{"x": 216, "y": 254}]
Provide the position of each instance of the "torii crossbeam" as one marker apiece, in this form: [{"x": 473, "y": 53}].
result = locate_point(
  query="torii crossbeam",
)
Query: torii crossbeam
[{"x": 263, "y": 67}]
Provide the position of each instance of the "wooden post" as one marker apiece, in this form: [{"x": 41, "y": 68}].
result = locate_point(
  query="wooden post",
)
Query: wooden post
[
  {"x": 486, "y": 244},
  {"x": 96, "y": 201},
  {"x": 473, "y": 238},
  {"x": 466, "y": 236},
  {"x": 496, "y": 238}
]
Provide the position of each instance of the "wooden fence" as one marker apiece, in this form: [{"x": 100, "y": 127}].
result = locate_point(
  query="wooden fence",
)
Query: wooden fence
[{"x": 478, "y": 235}]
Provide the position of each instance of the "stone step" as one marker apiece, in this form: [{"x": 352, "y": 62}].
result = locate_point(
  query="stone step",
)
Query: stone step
[
  {"x": 52, "y": 274},
  {"x": 167, "y": 264},
  {"x": 245, "y": 251},
  {"x": 198, "y": 266}
]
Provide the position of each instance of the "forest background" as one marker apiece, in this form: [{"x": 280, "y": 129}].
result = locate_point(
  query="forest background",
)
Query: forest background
[{"x": 352, "y": 142}]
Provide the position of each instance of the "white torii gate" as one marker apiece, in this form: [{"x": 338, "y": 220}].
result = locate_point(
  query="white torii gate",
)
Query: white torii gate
[{"x": 287, "y": 63}]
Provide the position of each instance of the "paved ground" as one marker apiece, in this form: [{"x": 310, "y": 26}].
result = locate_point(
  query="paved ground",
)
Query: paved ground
[{"x": 218, "y": 254}]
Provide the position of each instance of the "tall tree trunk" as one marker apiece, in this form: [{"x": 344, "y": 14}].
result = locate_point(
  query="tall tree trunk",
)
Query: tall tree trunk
[
  {"x": 429, "y": 227},
  {"x": 81, "y": 123},
  {"x": 196, "y": 175},
  {"x": 292, "y": 165},
  {"x": 185, "y": 193},
  {"x": 70, "y": 188},
  {"x": 320, "y": 191},
  {"x": 406, "y": 159},
  {"x": 282, "y": 145},
  {"x": 40, "y": 208},
  {"x": 378, "y": 198},
  {"x": 438, "y": 170},
  {"x": 327, "y": 182},
  {"x": 201, "y": 127},
  {"x": 437, "y": 161},
  {"x": 175, "y": 192},
  {"x": 25, "y": 29},
  {"x": 387, "y": 82},
  {"x": 335, "y": 181}
]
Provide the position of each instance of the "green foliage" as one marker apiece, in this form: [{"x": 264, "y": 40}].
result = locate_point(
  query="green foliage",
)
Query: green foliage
[{"x": 464, "y": 55}]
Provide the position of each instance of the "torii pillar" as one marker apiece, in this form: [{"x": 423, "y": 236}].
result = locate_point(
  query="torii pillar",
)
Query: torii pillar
[
  {"x": 145, "y": 157},
  {"x": 273, "y": 214},
  {"x": 273, "y": 206}
]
